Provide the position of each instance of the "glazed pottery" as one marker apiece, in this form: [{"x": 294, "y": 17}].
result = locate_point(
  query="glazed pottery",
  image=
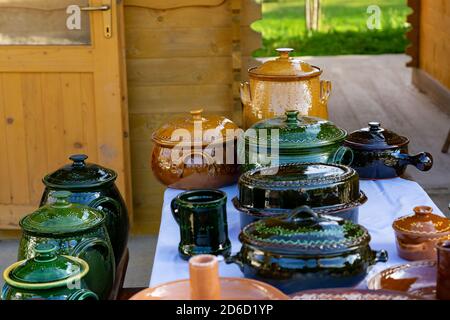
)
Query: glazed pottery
[
  {"x": 202, "y": 218},
  {"x": 92, "y": 185},
  {"x": 418, "y": 234},
  {"x": 283, "y": 84},
  {"x": 306, "y": 250},
  {"x": 351, "y": 294},
  {"x": 47, "y": 276},
  {"x": 291, "y": 138},
  {"x": 416, "y": 278},
  {"x": 382, "y": 154},
  {"x": 205, "y": 284},
  {"x": 326, "y": 188},
  {"x": 443, "y": 271},
  {"x": 76, "y": 230},
  {"x": 196, "y": 152}
]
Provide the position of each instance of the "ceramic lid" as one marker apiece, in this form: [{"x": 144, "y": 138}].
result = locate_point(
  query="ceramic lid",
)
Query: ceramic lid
[
  {"x": 196, "y": 130},
  {"x": 79, "y": 174},
  {"x": 46, "y": 269},
  {"x": 284, "y": 68},
  {"x": 423, "y": 221},
  {"x": 305, "y": 232},
  {"x": 295, "y": 132},
  {"x": 62, "y": 217},
  {"x": 374, "y": 137}
]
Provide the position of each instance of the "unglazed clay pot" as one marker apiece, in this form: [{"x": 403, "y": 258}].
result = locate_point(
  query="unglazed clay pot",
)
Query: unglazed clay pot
[
  {"x": 196, "y": 153},
  {"x": 284, "y": 84},
  {"x": 47, "y": 276},
  {"x": 205, "y": 284},
  {"x": 76, "y": 230},
  {"x": 382, "y": 154},
  {"x": 92, "y": 185},
  {"x": 418, "y": 234}
]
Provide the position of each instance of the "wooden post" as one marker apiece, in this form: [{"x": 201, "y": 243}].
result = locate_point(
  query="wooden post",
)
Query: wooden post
[{"x": 312, "y": 15}]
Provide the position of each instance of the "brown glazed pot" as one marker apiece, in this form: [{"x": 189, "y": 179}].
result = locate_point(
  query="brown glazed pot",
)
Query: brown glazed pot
[
  {"x": 205, "y": 284},
  {"x": 418, "y": 234},
  {"x": 443, "y": 271},
  {"x": 192, "y": 153}
]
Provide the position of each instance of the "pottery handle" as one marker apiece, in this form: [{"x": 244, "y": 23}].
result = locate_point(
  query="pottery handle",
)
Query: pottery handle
[
  {"x": 380, "y": 256},
  {"x": 422, "y": 161},
  {"x": 412, "y": 247},
  {"x": 102, "y": 204},
  {"x": 344, "y": 156},
  {"x": 83, "y": 294},
  {"x": 246, "y": 96},
  {"x": 175, "y": 210},
  {"x": 89, "y": 243},
  {"x": 325, "y": 91},
  {"x": 236, "y": 259}
]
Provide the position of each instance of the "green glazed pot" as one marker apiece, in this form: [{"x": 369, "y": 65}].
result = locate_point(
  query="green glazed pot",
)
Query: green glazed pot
[
  {"x": 47, "y": 276},
  {"x": 92, "y": 185},
  {"x": 75, "y": 230},
  {"x": 306, "y": 250},
  {"x": 202, "y": 217},
  {"x": 298, "y": 139}
]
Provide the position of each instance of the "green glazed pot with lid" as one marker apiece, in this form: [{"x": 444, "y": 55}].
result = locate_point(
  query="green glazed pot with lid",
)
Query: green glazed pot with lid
[
  {"x": 296, "y": 139},
  {"x": 75, "y": 230},
  {"x": 306, "y": 250},
  {"x": 47, "y": 276},
  {"x": 92, "y": 185}
]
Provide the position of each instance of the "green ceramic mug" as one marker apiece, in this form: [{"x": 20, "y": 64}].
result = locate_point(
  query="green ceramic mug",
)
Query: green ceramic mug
[{"x": 202, "y": 217}]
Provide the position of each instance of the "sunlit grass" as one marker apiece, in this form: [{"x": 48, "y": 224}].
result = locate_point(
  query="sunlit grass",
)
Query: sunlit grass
[{"x": 343, "y": 28}]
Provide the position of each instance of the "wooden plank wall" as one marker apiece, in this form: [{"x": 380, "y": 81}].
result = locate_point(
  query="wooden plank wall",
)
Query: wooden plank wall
[
  {"x": 435, "y": 39},
  {"x": 181, "y": 55}
]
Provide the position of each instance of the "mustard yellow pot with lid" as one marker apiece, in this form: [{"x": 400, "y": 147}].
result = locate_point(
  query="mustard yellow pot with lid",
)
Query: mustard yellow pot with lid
[{"x": 285, "y": 83}]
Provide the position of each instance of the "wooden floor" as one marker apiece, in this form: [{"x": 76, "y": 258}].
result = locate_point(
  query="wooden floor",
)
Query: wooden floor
[{"x": 378, "y": 88}]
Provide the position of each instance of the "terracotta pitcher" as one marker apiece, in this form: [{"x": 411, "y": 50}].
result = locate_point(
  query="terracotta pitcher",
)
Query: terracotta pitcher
[{"x": 283, "y": 84}]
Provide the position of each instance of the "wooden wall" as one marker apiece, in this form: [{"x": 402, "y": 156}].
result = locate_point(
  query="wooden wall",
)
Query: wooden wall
[
  {"x": 435, "y": 39},
  {"x": 181, "y": 54}
]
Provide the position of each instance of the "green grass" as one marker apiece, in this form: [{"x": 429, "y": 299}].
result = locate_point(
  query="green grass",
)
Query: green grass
[{"x": 343, "y": 28}]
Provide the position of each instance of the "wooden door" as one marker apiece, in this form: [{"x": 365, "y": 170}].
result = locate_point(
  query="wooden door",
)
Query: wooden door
[{"x": 62, "y": 92}]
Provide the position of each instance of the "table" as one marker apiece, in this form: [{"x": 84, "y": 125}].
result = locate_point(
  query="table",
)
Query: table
[{"x": 388, "y": 199}]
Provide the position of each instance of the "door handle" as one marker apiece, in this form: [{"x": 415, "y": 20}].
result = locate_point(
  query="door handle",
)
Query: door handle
[
  {"x": 99, "y": 8},
  {"x": 107, "y": 16}
]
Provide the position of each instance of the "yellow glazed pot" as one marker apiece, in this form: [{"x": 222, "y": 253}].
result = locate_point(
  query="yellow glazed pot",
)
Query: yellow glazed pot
[{"x": 283, "y": 84}]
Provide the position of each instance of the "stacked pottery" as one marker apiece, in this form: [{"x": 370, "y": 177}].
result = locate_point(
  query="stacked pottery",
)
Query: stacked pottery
[
  {"x": 75, "y": 230},
  {"x": 92, "y": 185},
  {"x": 47, "y": 276}
]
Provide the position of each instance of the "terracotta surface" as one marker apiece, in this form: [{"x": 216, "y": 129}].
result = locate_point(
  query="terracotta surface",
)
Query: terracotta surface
[
  {"x": 351, "y": 294},
  {"x": 284, "y": 84},
  {"x": 443, "y": 271},
  {"x": 185, "y": 153},
  {"x": 416, "y": 278},
  {"x": 418, "y": 234},
  {"x": 204, "y": 284}
]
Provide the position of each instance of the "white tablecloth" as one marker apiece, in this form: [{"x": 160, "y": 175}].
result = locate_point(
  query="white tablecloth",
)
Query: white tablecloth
[{"x": 388, "y": 199}]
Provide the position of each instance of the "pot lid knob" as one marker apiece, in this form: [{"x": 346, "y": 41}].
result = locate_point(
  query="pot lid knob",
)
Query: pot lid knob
[
  {"x": 197, "y": 114},
  {"x": 292, "y": 116},
  {"x": 284, "y": 52},
  {"x": 78, "y": 160},
  {"x": 423, "y": 210},
  {"x": 62, "y": 198},
  {"x": 374, "y": 126},
  {"x": 45, "y": 252}
]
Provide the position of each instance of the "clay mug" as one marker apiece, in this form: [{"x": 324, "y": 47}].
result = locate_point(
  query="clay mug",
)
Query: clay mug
[
  {"x": 202, "y": 217},
  {"x": 443, "y": 270}
]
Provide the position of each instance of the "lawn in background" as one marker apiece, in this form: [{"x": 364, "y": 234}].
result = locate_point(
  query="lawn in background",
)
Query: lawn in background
[{"x": 343, "y": 28}]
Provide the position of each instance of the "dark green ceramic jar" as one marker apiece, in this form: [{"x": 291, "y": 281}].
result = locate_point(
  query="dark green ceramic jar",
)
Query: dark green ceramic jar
[
  {"x": 76, "y": 230},
  {"x": 92, "y": 185},
  {"x": 202, "y": 218},
  {"x": 47, "y": 276},
  {"x": 295, "y": 139},
  {"x": 306, "y": 250}
]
